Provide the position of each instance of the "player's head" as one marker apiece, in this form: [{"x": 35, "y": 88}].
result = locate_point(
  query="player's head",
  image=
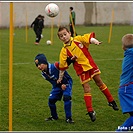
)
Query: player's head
[
  {"x": 64, "y": 34},
  {"x": 41, "y": 62},
  {"x": 39, "y": 16},
  {"x": 127, "y": 41},
  {"x": 71, "y": 8},
  {"x": 42, "y": 17}
]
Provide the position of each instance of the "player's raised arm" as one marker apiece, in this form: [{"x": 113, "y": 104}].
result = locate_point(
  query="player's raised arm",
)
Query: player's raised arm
[{"x": 95, "y": 41}]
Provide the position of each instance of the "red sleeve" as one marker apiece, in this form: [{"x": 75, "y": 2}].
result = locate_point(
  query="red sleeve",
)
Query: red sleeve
[
  {"x": 63, "y": 69},
  {"x": 92, "y": 35},
  {"x": 56, "y": 64}
]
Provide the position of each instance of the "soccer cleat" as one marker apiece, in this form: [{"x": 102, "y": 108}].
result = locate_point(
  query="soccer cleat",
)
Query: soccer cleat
[
  {"x": 92, "y": 115},
  {"x": 69, "y": 120},
  {"x": 50, "y": 119},
  {"x": 113, "y": 105}
]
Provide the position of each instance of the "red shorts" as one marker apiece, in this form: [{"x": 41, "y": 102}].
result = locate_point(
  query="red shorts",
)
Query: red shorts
[{"x": 88, "y": 75}]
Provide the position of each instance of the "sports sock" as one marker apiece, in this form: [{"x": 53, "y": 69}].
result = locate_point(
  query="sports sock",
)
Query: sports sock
[
  {"x": 53, "y": 110},
  {"x": 67, "y": 108},
  {"x": 88, "y": 101},
  {"x": 127, "y": 125},
  {"x": 106, "y": 92}
]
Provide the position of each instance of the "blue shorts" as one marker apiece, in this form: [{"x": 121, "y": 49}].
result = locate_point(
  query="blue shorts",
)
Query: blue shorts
[
  {"x": 57, "y": 92},
  {"x": 126, "y": 98}
]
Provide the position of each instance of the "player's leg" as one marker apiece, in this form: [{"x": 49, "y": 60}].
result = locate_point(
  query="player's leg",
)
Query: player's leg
[
  {"x": 67, "y": 98},
  {"x": 38, "y": 36},
  {"x": 88, "y": 101},
  {"x": 126, "y": 102},
  {"x": 104, "y": 89},
  {"x": 84, "y": 79},
  {"x": 127, "y": 125},
  {"x": 67, "y": 108},
  {"x": 36, "y": 32},
  {"x": 53, "y": 111},
  {"x": 71, "y": 30},
  {"x": 53, "y": 98}
]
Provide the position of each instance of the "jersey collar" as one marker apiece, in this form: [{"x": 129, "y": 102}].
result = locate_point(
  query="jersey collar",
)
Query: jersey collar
[{"x": 69, "y": 44}]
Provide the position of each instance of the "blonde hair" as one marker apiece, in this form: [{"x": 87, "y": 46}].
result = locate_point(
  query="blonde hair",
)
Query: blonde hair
[{"x": 127, "y": 41}]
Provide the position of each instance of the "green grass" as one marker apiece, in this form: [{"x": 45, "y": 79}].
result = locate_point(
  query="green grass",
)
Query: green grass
[{"x": 30, "y": 91}]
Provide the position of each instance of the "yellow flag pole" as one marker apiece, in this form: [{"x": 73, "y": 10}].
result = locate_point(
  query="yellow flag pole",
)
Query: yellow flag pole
[
  {"x": 0, "y": 65},
  {"x": 14, "y": 19},
  {"x": 52, "y": 29},
  {"x": 60, "y": 19},
  {"x": 10, "y": 66},
  {"x": 111, "y": 23},
  {"x": 26, "y": 28}
]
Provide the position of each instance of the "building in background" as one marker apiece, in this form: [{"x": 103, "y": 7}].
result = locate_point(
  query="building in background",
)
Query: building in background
[{"x": 88, "y": 13}]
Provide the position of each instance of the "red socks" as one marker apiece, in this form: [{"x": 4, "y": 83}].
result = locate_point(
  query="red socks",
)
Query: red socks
[
  {"x": 88, "y": 97},
  {"x": 88, "y": 101},
  {"x": 106, "y": 92}
]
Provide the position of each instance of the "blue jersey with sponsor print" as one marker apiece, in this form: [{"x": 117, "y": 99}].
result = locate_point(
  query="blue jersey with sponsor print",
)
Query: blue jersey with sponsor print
[
  {"x": 127, "y": 67},
  {"x": 53, "y": 74}
]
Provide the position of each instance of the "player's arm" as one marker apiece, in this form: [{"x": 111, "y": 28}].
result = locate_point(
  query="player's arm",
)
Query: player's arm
[
  {"x": 95, "y": 41},
  {"x": 89, "y": 38},
  {"x": 69, "y": 60},
  {"x": 32, "y": 24},
  {"x": 61, "y": 74},
  {"x": 62, "y": 64}
]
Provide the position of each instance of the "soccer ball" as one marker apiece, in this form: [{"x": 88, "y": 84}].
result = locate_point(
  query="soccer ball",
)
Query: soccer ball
[
  {"x": 48, "y": 42},
  {"x": 52, "y": 10}
]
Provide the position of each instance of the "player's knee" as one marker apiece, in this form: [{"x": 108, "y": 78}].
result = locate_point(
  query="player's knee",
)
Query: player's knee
[
  {"x": 52, "y": 101},
  {"x": 66, "y": 98}
]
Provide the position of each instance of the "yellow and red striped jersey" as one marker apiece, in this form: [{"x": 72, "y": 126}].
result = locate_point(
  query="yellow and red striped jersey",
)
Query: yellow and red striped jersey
[{"x": 78, "y": 46}]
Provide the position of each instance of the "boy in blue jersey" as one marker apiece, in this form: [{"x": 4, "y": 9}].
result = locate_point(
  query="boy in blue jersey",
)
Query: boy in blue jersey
[
  {"x": 126, "y": 83},
  {"x": 50, "y": 72}
]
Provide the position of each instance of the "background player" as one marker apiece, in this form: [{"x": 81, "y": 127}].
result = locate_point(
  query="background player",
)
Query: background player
[
  {"x": 72, "y": 19},
  {"x": 38, "y": 25}
]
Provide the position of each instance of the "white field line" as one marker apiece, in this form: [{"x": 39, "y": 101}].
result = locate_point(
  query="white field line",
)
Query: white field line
[{"x": 29, "y": 63}]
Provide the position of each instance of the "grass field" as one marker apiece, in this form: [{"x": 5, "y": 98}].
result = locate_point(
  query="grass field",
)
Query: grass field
[{"x": 31, "y": 91}]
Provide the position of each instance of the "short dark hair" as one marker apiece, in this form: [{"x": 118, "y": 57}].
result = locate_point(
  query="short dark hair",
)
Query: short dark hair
[
  {"x": 71, "y": 8},
  {"x": 39, "y": 15},
  {"x": 62, "y": 28}
]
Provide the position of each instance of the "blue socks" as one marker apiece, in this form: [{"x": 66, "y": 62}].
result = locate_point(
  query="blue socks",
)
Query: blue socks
[
  {"x": 127, "y": 125},
  {"x": 67, "y": 108}
]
